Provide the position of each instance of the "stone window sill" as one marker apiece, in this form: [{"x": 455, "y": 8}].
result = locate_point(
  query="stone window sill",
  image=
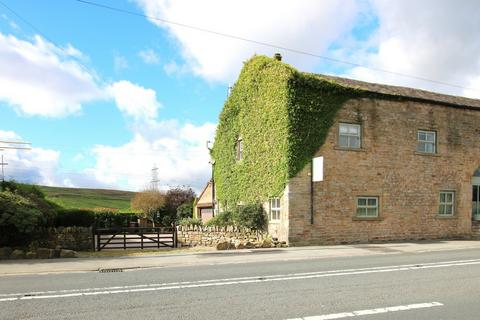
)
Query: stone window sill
[
  {"x": 445, "y": 217},
  {"x": 349, "y": 149},
  {"x": 418, "y": 153},
  {"x": 355, "y": 218}
]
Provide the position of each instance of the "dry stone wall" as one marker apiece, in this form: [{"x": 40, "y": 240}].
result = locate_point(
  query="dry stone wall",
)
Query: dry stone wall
[{"x": 221, "y": 237}]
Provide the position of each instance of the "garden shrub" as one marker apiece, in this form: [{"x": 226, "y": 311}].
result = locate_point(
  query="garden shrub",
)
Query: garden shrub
[
  {"x": 222, "y": 219},
  {"x": 251, "y": 216},
  {"x": 21, "y": 221},
  {"x": 185, "y": 211},
  {"x": 190, "y": 222}
]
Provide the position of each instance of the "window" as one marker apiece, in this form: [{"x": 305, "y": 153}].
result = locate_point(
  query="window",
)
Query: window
[
  {"x": 349, "y": 136},
  {"x": 239, "y": 149},
  {"x": 274, "y": 209},
  {"x": 426, "y": 141},
  {"x": 446, "y": 207},
  {"x": 367, "y": 207}
]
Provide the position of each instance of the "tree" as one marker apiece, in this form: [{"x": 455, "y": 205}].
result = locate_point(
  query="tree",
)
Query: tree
[
  {"x": 150, "y": 203},
  {"x": 175, "y": 197}
]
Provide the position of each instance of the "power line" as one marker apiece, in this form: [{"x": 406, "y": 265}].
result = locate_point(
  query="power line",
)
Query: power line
[
  {"x": 267, "y": 44},
  {"x": 15, "y": 145}
]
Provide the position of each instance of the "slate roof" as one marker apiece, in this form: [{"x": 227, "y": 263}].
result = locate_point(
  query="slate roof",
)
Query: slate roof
[{"x": 405, "y": 92}]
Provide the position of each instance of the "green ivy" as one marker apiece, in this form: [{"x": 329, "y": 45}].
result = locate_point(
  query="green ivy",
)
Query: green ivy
[{"x": 283, "y": 117}]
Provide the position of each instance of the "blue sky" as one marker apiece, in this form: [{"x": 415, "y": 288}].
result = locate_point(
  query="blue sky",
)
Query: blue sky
[{"x": 104, "y": 96}]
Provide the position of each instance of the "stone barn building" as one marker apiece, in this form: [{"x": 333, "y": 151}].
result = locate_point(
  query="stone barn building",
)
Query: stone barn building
[{"x": 343, "y": 161}]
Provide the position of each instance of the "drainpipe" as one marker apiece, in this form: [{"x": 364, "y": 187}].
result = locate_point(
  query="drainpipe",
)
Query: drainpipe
[
  {"x": 213, "y": 190},
  {"x": 311, "y": 192}
]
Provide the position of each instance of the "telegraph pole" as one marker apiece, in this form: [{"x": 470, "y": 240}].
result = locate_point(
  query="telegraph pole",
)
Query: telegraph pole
[{"x": 13, "y": 145}]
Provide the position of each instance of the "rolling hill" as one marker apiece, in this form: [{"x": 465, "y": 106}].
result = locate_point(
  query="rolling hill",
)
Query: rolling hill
[{"x": 88, "y": 198}]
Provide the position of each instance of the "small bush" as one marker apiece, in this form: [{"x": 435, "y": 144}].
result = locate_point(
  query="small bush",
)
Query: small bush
[
  {"x": 74, "y": 217},
  {"x": 190, "y": 222},
  {"x": 251, "y": 216},
  {"x": 25, "y": 214},
  {"x": 185, "y": 211},
  {"x": 223, "y": 219}
]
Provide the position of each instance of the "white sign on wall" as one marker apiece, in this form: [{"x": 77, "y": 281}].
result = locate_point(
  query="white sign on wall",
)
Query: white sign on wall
[{"x": 317, "y": 169}]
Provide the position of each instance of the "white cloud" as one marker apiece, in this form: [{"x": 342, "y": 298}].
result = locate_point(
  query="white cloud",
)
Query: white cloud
[
  {"x": 179, "y": 152},
  {"x": 173, "y": 68},
  {"x": 39, "y": 78},
  {"x": 134, "y": 100},
  {"x": 432, "y": 39},
  {"x": 149, "y": 56},
  {"x": 309, "y": 25},
  {"x": 37, "y": 165}
]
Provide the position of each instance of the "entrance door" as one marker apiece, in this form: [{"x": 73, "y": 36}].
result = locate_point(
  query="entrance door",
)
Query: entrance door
[{"x": 476, "y": 198}]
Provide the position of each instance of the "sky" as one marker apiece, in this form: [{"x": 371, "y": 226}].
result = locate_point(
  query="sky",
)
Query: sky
[{"x": 105, "y": 96}]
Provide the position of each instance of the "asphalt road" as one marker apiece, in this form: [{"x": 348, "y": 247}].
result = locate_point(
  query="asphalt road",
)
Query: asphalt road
[{"x": 434, "y": 285}]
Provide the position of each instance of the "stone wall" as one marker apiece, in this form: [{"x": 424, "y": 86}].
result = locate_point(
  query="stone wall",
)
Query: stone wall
[
  {"x": 193, "y": 236},
  {"x": 387, "y": 166},
  {"x": 73, "y": 238}
]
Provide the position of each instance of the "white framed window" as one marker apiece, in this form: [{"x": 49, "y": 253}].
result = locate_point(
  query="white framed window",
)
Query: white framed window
[
  {"x": 274, "y": 213},
  {"x": 367, "y": 207},
  {"x": 349, "y": 135},
  {"x": 426, "y": 141},
  {"x": 239, "y": 148},
  {"x": 447, "y": 203}
]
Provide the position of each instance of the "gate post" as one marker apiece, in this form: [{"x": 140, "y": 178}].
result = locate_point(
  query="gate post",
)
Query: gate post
[
  {"x": 174, "y": 235},
  {"x": 94, "y": 229}
]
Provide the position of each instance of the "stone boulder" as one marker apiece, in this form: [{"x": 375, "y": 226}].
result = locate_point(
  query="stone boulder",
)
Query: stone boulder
[
  {"x": 5, "y": 252},
  {"x": 68, "y": 253},
  {"x": 239, "y": 245},
  {"x": 249, "y": 245},
  {"x": 43, "y": 253},
  {"x": 267, "y": 243},
  {"x": 30, "y": 255},
  {"x": 223, "y": 245},
  {"x": 17, "y": 254},
  {"x": 56, "y": 252}
]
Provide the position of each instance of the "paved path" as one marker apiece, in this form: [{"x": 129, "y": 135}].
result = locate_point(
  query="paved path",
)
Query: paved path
[{"x": 394, "y": 281}]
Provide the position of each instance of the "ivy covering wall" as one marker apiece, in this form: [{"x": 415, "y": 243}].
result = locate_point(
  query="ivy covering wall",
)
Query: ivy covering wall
[{"x": 283, "y": 117}]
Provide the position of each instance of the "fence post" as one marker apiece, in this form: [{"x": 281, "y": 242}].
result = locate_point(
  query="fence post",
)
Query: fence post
[
  {"x": 124, "y": 239},
  {"x": 158, "y": 237},
  {"x": 174, "y": 236},
  {"x": 141, "y": 237},
  {"x": 94, "y": 227}
]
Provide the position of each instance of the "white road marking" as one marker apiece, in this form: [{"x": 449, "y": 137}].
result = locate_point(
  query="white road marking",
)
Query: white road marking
[
  {"x": 372, "y": 311},
  {"x": 227, "y": 281}
]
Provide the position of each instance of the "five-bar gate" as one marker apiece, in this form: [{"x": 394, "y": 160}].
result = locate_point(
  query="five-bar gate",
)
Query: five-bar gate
[{"x": 134, "y": 237}]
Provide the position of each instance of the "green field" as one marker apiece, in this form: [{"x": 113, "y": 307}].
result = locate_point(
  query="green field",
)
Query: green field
[{"x": 79, "y": 198}]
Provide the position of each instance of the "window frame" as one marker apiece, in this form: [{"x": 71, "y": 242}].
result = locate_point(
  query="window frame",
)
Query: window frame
[
  {"x": 445, "y": 203},
  {"x": 239, "y": 149},
  {"x": 426, "y": 142},
  {"x": 366, "y": 206},
  {"x": 349, "y": 136},
  {"x": 277, "y": 209}
]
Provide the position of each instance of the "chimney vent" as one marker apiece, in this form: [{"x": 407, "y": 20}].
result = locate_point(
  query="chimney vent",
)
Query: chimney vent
[{"x": 277, "y": 56}]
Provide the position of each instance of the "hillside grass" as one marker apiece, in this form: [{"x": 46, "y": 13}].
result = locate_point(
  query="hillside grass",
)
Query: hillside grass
[{"x": 79, "y": 198}]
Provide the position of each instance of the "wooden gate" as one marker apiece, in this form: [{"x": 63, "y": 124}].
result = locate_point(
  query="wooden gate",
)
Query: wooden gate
[{"x": 134, "y": 237}]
